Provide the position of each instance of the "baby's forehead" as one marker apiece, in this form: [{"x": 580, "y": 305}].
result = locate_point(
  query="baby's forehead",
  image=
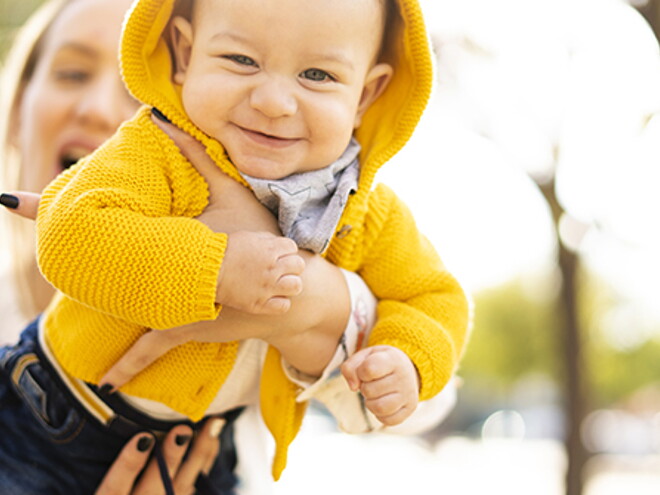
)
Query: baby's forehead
[
  {"x": 193, "y": 7},
  {"x": 374, "y": 16}
]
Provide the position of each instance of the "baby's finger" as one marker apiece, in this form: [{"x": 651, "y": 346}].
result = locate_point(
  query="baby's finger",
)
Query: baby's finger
[
  {"x": 145, "y": 351},
  {"x": 398, "y": 417},
  {"x": 379, "y": 388},
  {"x": 349, "y": 368},
  {"x": 277, "y": 305},
  {"x": 386, "y": 405},
  {"x": 289, "y": 285},
  {"x": 25, "y": 204},
  {"x": 377, "y": 365},
  {"x": 291, "y": 263},
  {"x": 284, "y": 247}
]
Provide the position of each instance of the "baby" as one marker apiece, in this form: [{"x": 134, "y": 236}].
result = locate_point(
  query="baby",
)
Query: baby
[{"x": 302, "y": 101}]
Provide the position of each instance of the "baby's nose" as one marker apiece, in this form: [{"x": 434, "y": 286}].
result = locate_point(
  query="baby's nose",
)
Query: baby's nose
[{"x": 274, "y": 98}]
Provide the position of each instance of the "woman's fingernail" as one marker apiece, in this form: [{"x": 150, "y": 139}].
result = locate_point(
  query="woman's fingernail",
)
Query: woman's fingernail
[
  {"x": 216, "y": 427},
  {"x": 181, "y": 440},
  {"x": 106, "y": 390},
  {"x": 9, "y": 201},
  {"x": 145, "y": 444}
]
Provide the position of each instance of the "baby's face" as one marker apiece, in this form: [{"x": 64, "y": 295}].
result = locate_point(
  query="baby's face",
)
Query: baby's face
[{"x": 280, "y": 83}]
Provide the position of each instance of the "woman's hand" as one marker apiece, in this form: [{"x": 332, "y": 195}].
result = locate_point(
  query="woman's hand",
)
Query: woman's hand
[
  {"x": 261, "y": 270},
  {"x": 305, "y": 332},
  {"x": 124, "y": 478},
  {"x": 24, "y": 204}
]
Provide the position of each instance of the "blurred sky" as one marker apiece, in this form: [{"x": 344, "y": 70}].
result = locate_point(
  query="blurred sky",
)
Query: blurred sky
[{"x": 529, "y": 87}]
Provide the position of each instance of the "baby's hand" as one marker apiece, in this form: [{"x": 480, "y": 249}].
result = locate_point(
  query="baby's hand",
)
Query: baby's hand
[
  {"x": 388, "y": 381},
  {"x": 260, "y": 273}
]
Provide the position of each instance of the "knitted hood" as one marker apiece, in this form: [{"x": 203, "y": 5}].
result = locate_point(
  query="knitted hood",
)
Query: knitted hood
[{"x": 147, "y": 70}]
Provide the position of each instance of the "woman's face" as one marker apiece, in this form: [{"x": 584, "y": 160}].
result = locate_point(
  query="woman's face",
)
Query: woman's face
[{"x": 75, "y": 99}]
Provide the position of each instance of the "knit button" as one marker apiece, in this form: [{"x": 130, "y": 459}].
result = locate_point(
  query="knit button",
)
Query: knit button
[{"x": 344, "y": 231}]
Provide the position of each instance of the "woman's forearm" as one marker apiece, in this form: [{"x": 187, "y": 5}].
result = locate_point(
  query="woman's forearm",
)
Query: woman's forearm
[{"x": 307, "y": 334}]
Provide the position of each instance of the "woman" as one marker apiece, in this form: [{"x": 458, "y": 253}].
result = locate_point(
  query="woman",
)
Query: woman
[
  {"x": 65, "y": 97},
  {"x": 68, "y": 77},
  {"x": 62, "y": 88}
]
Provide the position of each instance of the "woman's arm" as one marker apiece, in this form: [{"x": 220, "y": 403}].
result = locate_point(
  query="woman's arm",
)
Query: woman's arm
[{"x": 306, "y": 335}]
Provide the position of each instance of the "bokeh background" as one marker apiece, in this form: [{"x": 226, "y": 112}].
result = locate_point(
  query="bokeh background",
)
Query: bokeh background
[{"x": 535, "y": 173}]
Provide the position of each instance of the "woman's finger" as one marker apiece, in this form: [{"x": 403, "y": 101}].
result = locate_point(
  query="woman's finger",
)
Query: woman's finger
[
  {"x": 196, "y": 154},
  {"x": 174, "y": 447},
  {"x": 145, "y": 351},
  {"x": 202, "y": 455},
  {"x": 22, "y": 203},
  {"x": 124, "y": 471}
]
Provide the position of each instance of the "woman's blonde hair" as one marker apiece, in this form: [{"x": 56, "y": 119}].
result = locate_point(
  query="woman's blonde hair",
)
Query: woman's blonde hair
[{"x": 17, "y": 70}]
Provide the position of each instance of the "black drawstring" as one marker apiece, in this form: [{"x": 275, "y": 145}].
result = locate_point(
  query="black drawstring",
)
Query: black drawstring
[{"x": 164, "y": 473}]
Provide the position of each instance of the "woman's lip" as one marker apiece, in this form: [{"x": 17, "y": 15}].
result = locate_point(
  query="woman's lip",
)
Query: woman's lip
[
  {"x": 268, "y": 140},
  {"x": 78, "y": 146},
  {"x": 72, "y": 150}
]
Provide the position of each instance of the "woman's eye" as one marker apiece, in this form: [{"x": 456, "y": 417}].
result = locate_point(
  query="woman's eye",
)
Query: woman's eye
[
  {"x": 242, "y": 60},
  {"x": 317, "y": 75},
  {"x": 74, "y": 76}
]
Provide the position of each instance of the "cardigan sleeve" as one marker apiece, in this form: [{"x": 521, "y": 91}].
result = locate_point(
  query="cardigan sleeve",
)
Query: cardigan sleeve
[
  {"x": 110, "y": 235},
  {"x": 422, "y": 309}
]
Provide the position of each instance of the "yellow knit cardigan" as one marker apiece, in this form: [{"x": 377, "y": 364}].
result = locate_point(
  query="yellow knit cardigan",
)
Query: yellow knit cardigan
[{"x": 117, "y": 237}]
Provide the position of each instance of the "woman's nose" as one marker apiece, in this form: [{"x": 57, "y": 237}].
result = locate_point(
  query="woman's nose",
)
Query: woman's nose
[
  {"x": 273, "y": 98},
  {"x": 106, "y": 104}
]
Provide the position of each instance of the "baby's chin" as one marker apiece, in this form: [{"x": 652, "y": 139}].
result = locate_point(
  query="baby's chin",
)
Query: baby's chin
[
  {"x": 262, "y": 169},
  {"x": 269, "y": 169}
]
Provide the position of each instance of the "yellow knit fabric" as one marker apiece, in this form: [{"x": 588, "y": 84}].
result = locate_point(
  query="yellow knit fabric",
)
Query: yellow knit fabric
[{"x": 116, "y": 236}]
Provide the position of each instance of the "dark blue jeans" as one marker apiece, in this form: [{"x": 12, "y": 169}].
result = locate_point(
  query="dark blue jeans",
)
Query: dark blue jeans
[{"x": 50, "y": 444}]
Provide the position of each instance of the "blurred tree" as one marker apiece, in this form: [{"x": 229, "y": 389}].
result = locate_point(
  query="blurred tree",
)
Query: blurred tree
[
  {"x": 571, "y": 336},
  {"x": 650, "y": 9}
]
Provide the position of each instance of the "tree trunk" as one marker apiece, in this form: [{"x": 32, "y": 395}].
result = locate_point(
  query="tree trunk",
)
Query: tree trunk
[
  {"x": 575, "y": 406},
  {"x": 651, "y": 12}
]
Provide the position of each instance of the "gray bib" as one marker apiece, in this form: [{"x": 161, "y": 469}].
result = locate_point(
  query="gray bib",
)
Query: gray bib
[{"x": 308, "y": 205}]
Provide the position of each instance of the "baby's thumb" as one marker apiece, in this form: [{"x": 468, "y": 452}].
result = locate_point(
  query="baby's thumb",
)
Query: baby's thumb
[{"x": 350, "y": 369}]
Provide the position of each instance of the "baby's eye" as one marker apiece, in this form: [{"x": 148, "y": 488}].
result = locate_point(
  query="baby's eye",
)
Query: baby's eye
[
  {"x": 317, "y": 75},
  {"x": 241, "y": 59}
]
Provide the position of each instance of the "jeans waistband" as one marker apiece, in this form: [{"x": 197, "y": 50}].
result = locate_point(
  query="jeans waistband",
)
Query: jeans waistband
[{"x": 111, "y": 410}]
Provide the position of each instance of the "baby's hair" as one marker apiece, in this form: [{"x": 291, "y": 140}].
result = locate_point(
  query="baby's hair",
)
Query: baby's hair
[{"x": 392, "y": 22}]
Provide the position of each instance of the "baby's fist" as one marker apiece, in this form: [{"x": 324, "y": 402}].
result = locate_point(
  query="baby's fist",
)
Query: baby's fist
[
  {"x": 388, "y": 381},
  {"x": 260, "y": 273}
]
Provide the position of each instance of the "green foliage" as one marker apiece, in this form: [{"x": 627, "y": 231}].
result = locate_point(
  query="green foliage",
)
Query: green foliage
[
  {"x": 513, "y": 335},
  {"x": 615, "y": 374},
  {"x": 12, "y": 14},
  {"x": 624, "y": 357}
]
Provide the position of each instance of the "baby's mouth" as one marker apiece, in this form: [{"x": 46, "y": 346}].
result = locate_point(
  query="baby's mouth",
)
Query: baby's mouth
[{"x": 268, "y": 139}]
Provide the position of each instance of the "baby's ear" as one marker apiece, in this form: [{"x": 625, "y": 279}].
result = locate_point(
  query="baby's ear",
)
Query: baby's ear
[
  {"x": 375, "y": 83},
  {"x": 181, "y": 34}
]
